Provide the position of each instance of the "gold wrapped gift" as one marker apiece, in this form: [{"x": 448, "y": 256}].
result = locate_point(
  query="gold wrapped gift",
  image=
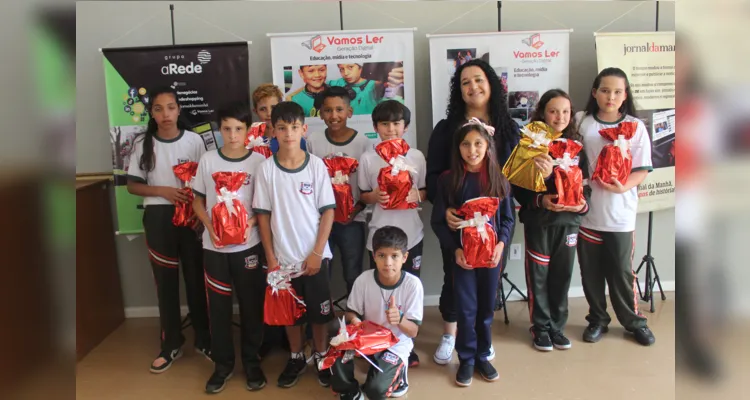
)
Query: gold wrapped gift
[{"x": 520, "y": 168}]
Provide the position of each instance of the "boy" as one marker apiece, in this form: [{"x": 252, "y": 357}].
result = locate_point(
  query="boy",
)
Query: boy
[
  {"x": 314, "y": 77},
  {"x": 368, "y": 92},
  {"x": 294, "y": 202},
  {"x": 394, "y": 299},
  {"x": 339, "y": 139},
  {"x": 391, "y": 119},
  {"x": 265, "y": 98},
  {"x": 232, "y": 268}
]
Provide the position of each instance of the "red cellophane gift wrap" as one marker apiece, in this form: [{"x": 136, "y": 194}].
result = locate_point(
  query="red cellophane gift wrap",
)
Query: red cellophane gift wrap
[
  {"x": 256, "y": 141},
  {"x": 184, "y": 211},
  {"x": 615, "y": 160},
  {"x": 478, "y": 237},
  {"x": 339, "y": 169},
  {"x": 229, "y": 216},
  {"x": 366, "y": 338},
  {"x": 568, "y": 176},
  {"x": 395, "y": 179},
  {"x": 282, "y": 305}
]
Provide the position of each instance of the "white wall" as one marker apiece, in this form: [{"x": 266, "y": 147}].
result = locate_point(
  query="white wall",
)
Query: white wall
[{"x": 98, "y": 23}]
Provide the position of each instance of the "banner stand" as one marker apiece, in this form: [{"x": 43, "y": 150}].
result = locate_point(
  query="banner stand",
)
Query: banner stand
[{"x": 652, "y": 275}]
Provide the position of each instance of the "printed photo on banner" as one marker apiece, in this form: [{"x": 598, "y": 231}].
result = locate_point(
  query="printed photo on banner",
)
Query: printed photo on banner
[
  {"x": 663, "y": 134},
  {"x": 458, "y": 57},
  {"x": 122, "y": 139},
  {"x": 371, "y": 83}
]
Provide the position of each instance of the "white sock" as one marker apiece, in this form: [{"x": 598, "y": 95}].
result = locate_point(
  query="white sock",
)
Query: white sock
[{"x": 298, "y": 356}]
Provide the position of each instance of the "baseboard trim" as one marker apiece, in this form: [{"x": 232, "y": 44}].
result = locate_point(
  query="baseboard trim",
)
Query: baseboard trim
[{"x": 429, "y": 301}]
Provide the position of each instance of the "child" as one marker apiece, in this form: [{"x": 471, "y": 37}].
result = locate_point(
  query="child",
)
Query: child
[
  {"x": 165, "y": 145},
  {"x": 294, "y": 201},
  {"x": 391, "y": 119},
  {"x": 474, "y": 173},
  {"x": 339, "y": 139},
  {"x": 232, "y": 268},
  {"x": 608, "y": 230},
  {"x": 551, "y": 234},
  {"x": 265, "y": 98},
  {"x": 365, "y": 90},
  {"x": 394, "y": 299},
  {"x": 314, "y": 77}
]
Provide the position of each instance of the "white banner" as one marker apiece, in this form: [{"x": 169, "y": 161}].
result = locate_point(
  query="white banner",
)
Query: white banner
[
  {"x": 528, "y": 63},
  {"x": 377, "y": 64},
  {"x": 647, "y": 58}
]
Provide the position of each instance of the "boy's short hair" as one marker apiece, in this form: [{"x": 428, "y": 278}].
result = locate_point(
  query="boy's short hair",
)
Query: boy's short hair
[
  {"x": 390, "y": 237},
  {"x": 237, "y": 110},
  {"x": 391, "y": 111},
  {"x": 266, "y": 90},
  {"x": 341, "y": 92},
  {"x": 287, "y": 111}
]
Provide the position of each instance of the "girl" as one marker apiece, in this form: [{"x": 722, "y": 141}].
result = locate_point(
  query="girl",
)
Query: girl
[
  {"x": 551, "y": 233},
  {"x": 605, "y": 252},
  {"x": 164, "y": 145},
  {"x": 474, "y": 173}
]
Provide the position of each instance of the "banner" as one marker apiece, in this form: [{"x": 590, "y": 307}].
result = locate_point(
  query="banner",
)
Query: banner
[
  {"x": 657, "y": 192},
  {"x": 528, "y": 64},
  {"x": 377, "y": 65},
  {"x": 647, "y": 58},
  {"x": 205, "y": 76}
]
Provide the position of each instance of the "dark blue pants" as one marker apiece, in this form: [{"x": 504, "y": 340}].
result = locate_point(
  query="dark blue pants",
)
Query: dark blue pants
[
  {"x": 350, "y": 239},
  {"x": 475, "y": 292}
]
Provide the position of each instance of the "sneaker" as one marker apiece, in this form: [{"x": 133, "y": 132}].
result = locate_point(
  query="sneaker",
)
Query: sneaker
[
  {"x": 324, "y": 376},
  {"x": 351, "y": 396},
  {"x": 205, "y": 352},
  {"x": 492, "y": 353},
  {"x": 217, "y": 382},
  {"x": 541, "y": 340},
  {"x": 256, "y": 379},
  {"x": 560, "y": 341},
  {"x": 444, "y": 352},
  {"x": 464, "y": 375},
  {"x": 170, "y": 356},
  {"x": 295, "y": 367},
  {"x": 401, "y": 389},
  {"x": 413, "y": 359},
  {"x": 487, "y": 371},
  {"x": 644, "y": 336},
  {"x": 594, "y": 332}
]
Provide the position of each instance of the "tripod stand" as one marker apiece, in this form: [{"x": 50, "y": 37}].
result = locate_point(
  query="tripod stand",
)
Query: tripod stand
[
  {"x": 504, "y": 276},
  {"x": 652, "y": 275}
]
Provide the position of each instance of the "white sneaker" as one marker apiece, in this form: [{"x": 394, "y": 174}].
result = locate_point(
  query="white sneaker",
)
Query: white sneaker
[
  {"x": 492, "y": 353},
  {"x": 444, "y": 352}
]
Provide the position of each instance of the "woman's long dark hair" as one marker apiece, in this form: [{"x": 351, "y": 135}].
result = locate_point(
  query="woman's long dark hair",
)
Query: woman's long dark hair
[
  {"x": 570, "y": 131},
  {"x": 494, "y": 183},
  {"x": 146, "y": 163},
  {"x": 497, "y": 106},
  {"x": 627, "y": 107}
]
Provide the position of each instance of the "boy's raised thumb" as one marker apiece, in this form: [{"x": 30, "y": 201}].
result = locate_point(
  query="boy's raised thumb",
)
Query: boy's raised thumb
[{"x": 392, "y": 302}]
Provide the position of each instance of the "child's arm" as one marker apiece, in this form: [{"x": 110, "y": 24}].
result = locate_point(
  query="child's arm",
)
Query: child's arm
[
  {"x": 199, "y": 206},
  {"x": 367, "y": 193},
  {"x": 262, "y": 208},
  {"x": 266, "y": 237},
  {"x": 174, "y": 195},
  {"x": 313, "y": 261},
  {"x": 413, "y": 310},
  {"x": 352, "y": 318},
  {"x": 506, "y": 217}
]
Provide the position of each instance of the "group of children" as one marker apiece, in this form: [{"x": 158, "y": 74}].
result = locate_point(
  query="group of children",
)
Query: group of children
[{"x": 290, "y": 202}]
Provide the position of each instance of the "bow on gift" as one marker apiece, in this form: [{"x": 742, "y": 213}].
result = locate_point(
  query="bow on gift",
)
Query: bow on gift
[
  {"x": 253, "y": 141},
  {"x": 480, "y": 222},
  {"x": 399, "y": 164},
  {"x": 565, "y": 162},
  {"x": 623, "y": 144},
  {"x": 339, "y": 178},
  {"x": 342, "y": 338},
  {"x": 281, "y": 279},
  {"x": 227, "y": 198},
  {"x": 539, "y": 138}
]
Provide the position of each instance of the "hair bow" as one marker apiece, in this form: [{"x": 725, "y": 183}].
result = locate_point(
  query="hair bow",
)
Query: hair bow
[{"x": 476, "y": 121}]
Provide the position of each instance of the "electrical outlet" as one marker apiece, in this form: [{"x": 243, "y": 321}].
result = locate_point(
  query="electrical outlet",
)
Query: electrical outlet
[{"x": 515, "y": 251}]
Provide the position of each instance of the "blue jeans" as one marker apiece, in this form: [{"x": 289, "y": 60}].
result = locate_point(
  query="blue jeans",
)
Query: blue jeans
[
  {"x": 475, "y": 292},
  {"x": 350, "y": 239}
]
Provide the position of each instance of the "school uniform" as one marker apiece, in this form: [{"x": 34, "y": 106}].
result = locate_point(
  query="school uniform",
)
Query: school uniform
[
  {"x": 238, "y": 269},
  {"x": 607, "y": 233},
  {"x": 170, "y": 246},
  {"x": 350, "y": 238}
]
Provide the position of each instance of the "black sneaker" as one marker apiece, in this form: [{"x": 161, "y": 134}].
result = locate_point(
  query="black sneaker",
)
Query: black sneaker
[
  {"x": 324, "y": 376},
  {"x": 351, "y": 396},
  {"x": 594, "y": 333},
  {"x": 487, "y": 371},
  {"x": 256, "y": 379},
  {"x": 464, "y": 375},
  {"x": 401, "y": 389},
  {"x": 644, "y": 336},
  {"x": 413, "y": 359},
  {"x": 204, "y": 351},
  {"x": 295, "y": 367},
  {"x": 541, "y": 340},
  {"x": 217, "y": 382},
  {"x": 560, "y": 341},
  {"x": 170, "y": 356}
]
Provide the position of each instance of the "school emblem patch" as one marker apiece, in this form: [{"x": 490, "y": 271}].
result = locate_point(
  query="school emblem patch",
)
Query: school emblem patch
[
  {"x": 417, "y": 263},
  {"x": 182, "y": 161},
  {"x": 325, "y": 307},
  {"x": 251, "y": 262},
  {"x": 571, "y": 240},
  {"x": 306, "y": 188},
  {"x": 247, "y": 180},
  {"x": 390, "y": 358}
]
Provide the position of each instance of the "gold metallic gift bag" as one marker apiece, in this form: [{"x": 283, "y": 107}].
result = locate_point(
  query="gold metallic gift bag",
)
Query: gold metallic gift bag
[{"x": 520, "y": 168}]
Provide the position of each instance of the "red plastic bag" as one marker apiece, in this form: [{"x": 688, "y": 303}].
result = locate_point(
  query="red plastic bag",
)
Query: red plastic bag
[
  {"x": 478, "y": 237},
  {"x": 366, "y": 338},
  {"x": 615, "y": 160},
  {"x": 282, "y": 305},
  {"x": 255, "y": 140},
  {"x": 184, "y": 211},
  {"x": 395, "y": 179},
  {"x": 339, "y": 169},
  {"x": 568, "y": 176},
  {"x": 229, "y": 216}
]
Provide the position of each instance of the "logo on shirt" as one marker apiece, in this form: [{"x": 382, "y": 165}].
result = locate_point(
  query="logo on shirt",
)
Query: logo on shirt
[
  {"x": 416, "y": 263},
  {"x": 571, "y": 240},
  {"x": 247, "y": 180},
  {"x": 325, "y": 307},
  {"x": 182, "y": 160},
  {"x": 390, "y": 358},
  {"x": 306, "y": 188},
  {"x": 251, "y": 261}
]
